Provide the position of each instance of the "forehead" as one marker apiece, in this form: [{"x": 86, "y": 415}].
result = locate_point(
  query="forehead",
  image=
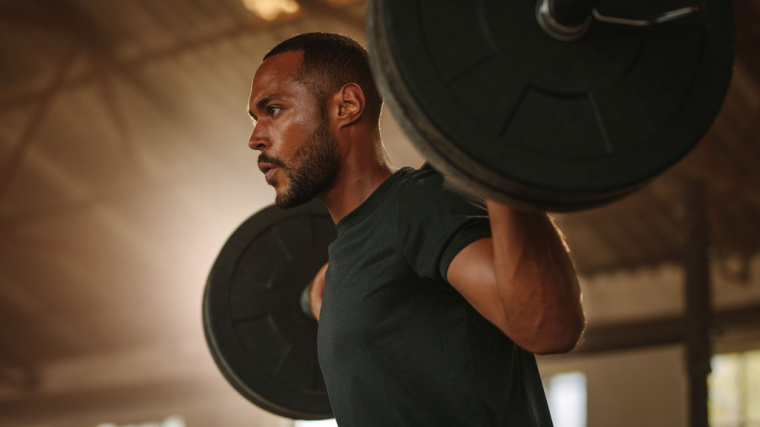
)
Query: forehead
[{"x": 276, "y": 76}]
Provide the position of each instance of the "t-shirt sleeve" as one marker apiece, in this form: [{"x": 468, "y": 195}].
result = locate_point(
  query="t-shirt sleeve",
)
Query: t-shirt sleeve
[{"x": 435, "y": 222}]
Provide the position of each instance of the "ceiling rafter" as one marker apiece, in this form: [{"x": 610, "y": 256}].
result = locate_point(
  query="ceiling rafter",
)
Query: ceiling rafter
[
  {"x": 57, "y": 17},
  {"x": 36, "y": 118},
  {"x": 103, "y": 76},
  {"x": 16, "y": 374},
  {"x": 643, "y": 261},
  {"x": 317, "y": 7},
  {"x": 182, "y": 46}
]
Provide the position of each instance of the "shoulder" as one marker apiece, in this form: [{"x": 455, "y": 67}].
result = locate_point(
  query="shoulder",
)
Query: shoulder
[{"x": 435, "y": 221}]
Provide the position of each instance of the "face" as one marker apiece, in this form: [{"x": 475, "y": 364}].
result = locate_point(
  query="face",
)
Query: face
[{"x": 299, "y": 155}]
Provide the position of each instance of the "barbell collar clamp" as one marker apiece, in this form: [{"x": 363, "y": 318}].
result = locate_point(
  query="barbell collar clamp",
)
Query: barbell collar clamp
[
  {"x": 556, "y": 27},
  {"x": 569, "y": 20}
]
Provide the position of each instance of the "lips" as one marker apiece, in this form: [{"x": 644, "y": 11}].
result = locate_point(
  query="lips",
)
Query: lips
[{"x": 268, "y": 170}]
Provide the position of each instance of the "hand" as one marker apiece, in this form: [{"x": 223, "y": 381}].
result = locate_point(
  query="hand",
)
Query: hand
[{"x": 317, "y": 292}]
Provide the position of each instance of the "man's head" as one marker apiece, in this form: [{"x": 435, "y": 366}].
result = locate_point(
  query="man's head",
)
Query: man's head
[
  {"x": 290, "y": 96},
  {"x": 329, "y": 62}
]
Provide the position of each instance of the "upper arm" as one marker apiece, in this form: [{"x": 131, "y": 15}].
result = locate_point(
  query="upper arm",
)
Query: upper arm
[
  {"x": 471, "y": 273},
  {"x": 522, "y": 281}
]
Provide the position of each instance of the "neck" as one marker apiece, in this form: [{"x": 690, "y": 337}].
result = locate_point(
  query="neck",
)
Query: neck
[{"x": 364, "y": 166}]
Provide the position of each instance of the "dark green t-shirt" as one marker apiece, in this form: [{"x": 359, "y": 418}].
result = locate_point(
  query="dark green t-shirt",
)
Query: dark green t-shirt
[{"x": 398, "y": 345}]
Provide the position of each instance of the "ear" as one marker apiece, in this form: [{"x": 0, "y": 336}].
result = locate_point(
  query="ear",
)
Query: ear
[{"x": 349, "y": 103}]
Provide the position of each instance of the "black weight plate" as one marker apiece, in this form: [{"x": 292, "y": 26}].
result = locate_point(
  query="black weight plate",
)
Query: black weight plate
[
  {"x": 502, "y": 108},
  {"x": 262, "y": 342}
]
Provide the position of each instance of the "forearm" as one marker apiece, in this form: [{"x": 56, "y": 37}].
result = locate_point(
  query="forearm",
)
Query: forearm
[{"x": 536, "y": 281}]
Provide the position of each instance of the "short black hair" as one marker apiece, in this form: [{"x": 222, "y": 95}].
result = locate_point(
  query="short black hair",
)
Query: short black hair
[{"x": 329, "y": 62}]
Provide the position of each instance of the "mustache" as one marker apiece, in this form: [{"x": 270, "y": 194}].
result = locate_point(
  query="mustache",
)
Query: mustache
[{"x": 274, "y": 161}]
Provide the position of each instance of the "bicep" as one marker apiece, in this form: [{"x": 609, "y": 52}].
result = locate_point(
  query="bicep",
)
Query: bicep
[{"x": 471, "y": 273}]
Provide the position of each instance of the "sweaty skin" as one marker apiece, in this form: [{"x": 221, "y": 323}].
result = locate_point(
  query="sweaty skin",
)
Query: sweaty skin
[
  {"x": 298, "y": 154},
  {"x": 286, "y": 114},
  {"x": 521, "y": 279}
]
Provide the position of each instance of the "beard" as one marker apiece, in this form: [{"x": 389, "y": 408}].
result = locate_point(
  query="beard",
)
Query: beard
[{"x": 312, "y": 170}]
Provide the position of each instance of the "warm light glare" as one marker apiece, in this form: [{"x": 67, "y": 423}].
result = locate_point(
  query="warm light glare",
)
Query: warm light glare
[
  {"x": 319, "y": 423},
  {"x": 271, "y": 9},
  {"x": 173, "y": 421},
  {"x": 734, "y": 389},
  {"x": 566, "y": 396}
]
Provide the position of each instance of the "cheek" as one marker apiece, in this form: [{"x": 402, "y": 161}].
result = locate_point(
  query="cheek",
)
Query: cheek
[{"x": 293, "y": 134}]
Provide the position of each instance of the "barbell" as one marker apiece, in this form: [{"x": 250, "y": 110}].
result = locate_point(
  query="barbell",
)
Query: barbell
[
  {"x": 510, "y": 109},
  {"x": 261, "y": 338},
  {"x": 558, "y": 105}
]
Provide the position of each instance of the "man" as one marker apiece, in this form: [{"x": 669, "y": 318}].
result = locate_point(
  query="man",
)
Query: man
[{"x": 432, "y": 303}]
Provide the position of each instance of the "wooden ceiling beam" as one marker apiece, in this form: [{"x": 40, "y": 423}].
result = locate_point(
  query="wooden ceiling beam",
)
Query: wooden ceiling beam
[
  {"x": 59, "y": 16},
  {"x": 725, "y": 235},
  {"x": 735, "y": 186},
  {"x": 15, "y": 373},
  {"x": 662, "y": 331},
  {"x": 649, "y": 261},
  {"x": 33, "y": 94},
  {"x": 36, "y": 118}
]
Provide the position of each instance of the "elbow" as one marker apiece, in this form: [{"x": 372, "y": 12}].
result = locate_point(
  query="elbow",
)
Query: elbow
[
  {"x": 563, "y": 340},
  {"x": 555, "y": 347}
]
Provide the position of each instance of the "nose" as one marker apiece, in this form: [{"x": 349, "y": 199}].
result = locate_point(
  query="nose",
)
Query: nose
[{"x": 258, "y": 140}]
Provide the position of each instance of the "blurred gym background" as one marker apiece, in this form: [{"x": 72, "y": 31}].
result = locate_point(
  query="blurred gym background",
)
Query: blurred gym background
[{"x": 124, "y": 167}]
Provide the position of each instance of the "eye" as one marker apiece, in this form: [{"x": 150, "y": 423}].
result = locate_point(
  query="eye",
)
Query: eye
[{"x": 272, "y": 110}]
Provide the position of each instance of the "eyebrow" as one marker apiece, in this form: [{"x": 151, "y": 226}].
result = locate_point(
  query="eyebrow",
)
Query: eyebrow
[{"x": 261, "y": 103}]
